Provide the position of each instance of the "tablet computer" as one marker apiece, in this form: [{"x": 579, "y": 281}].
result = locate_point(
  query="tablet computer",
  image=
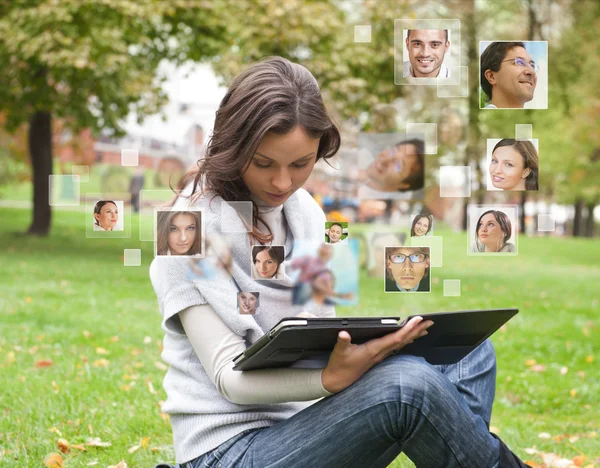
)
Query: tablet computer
[{"x": 307, "y": 342}]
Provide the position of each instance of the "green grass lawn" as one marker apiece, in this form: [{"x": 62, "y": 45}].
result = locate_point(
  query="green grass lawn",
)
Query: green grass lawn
[{"x": 69, "y": 300}]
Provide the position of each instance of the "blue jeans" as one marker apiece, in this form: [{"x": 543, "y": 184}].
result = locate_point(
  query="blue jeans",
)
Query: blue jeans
[{"x": 437, "y": 415}]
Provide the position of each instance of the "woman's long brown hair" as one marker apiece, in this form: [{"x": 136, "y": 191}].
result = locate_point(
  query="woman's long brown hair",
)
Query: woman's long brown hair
[{"x": 273, "y": 95}]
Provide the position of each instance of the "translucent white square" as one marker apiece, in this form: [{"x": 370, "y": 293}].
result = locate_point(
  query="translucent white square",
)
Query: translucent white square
[
  {"x": 523, "y": 131},
  {"x": 460, "y": 90},
  {"x": 362, "y": 33},
  {"x": 455, "y": 181},
  {"x": 82, "y": 171},
  {"x": 64, "y": 190},
  {"x": 435, "y": 248},
  {"x": 129, "y": 157},
  {"x": 428, "y": 131},
  {"x": 132, "y": 257},
  {"x": 236, "y": 216},
  {"x": 546, "y": 223},
  {"x": 452, "y": 287}
]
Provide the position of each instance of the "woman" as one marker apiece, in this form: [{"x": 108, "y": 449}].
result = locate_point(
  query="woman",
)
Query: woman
[
  {"x": 407, "y": 269},
  {"x": 270, "y": 130},
  {"x": 514, "y": 165},
  {"x": 267, "y": 262},
  {"x": 421, "y": 225},
  {"x": 106, "y": 215},
  {"x": 492, "y": 233},
  {"x": 178, "y": 233},
  {"x": 247, "y": 303},
  {"x": 333, "y": 235}
]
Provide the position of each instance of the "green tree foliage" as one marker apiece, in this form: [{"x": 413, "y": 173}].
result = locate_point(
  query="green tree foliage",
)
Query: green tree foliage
[{"x": 92, "y": 62}]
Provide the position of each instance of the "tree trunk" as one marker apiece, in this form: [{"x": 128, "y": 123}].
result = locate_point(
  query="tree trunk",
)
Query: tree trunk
[
  {"x": 40, "y": 149},
  {"x": 472, "y": 152},
  {"x": 577, "y": 219},
  {"x": 589, "y": 225},
  {"x": 522, "y": 212}
]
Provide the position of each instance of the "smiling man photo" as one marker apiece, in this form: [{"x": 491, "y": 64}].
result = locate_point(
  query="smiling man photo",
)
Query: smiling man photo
[
  {"x": 508, "y": 75},
  {"x": 426, "y": 51}
]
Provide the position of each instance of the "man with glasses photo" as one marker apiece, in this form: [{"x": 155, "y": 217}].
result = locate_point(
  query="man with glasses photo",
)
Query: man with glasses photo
[
  {"x": 407, "y": 269},
  {"x": 508, "y": 75}
]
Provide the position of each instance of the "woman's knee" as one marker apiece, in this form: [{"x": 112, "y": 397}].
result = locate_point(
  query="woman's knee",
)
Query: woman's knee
[{"x": 407, "y": 379}]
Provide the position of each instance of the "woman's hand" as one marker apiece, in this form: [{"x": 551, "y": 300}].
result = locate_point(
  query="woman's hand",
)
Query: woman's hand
[{"x": 349, "y": 362}]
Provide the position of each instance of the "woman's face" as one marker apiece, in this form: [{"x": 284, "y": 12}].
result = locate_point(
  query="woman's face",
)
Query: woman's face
[
  {"x": 422, "y": 226},
  {"x": 182, "y": 234},
  {"x": 265, "y": 265},
  {"x": 108, "y": 216},
  {"x": 489, "y": 232},
  {"x": 507, "y": 169},
  {"x": 335, "y": 233},
  {"x": 281, "y": 165},
  {"x": 247, "y": 302},
  {"x": 407, "y": 274}
]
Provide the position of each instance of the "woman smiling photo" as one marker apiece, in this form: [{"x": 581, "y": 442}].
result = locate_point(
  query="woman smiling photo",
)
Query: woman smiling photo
[
  {"x": 270, "y": 130},
  {"x": 513, "y": 165},
  {"x": 178, "y": 233},
  {"x": 267, "y": 262},
  {"x": 421, "y": 225}
]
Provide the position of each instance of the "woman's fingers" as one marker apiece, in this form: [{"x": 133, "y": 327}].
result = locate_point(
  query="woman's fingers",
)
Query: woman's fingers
[{"x": 407, "y": 334}]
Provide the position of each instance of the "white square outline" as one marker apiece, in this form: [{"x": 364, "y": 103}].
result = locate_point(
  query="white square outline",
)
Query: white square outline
[
  {"x": 469, "y": 184},
  {"x": 202, "y": 232},
  {"x": 77, "y": 182},
  {"x": 370, "y": 33},
  {"x": 125, "y": 257},
  {"x": 452, "y": 295},
  {"x": 551, "y": 216},
  {"x": 514, "y": 226},
  {"x": 385, "y": 275},
  {"x": 530, "y": 132},
  {"x": 125, "y": 156}
]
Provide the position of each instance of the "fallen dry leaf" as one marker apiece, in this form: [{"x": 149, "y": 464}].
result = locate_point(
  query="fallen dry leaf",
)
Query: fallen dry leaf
[
  {"x": 79, "y": 447},
  {"x": 55, "y": 430},
  {"x": 63, "y": 445},
  {"x": 544, "y": 435},
  {"x": 564, "y": 370},
  {"x": 96, "y": 442},
  {"x": 145, "y": 442},
  {"x": 578, "y": 460},
  {"x": 121, "y": 464},
  {"x": 135, "y": 448},
  {"x": 538, "y": 368},
  {"x": 28, "y": 300},
  {"x": 43, "y": 363},
  {"x": 160, "y": 365},
  {"x": 589, "y": 359},
  {"x": 101, "y": 363},
  {"x": 53, "y": 460},
  {"x": 101, "y": 351},
  {"x": 573, "y": 392},
  {"x": 87, "y": 334},
  {"x": 530, "y": 362}
]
